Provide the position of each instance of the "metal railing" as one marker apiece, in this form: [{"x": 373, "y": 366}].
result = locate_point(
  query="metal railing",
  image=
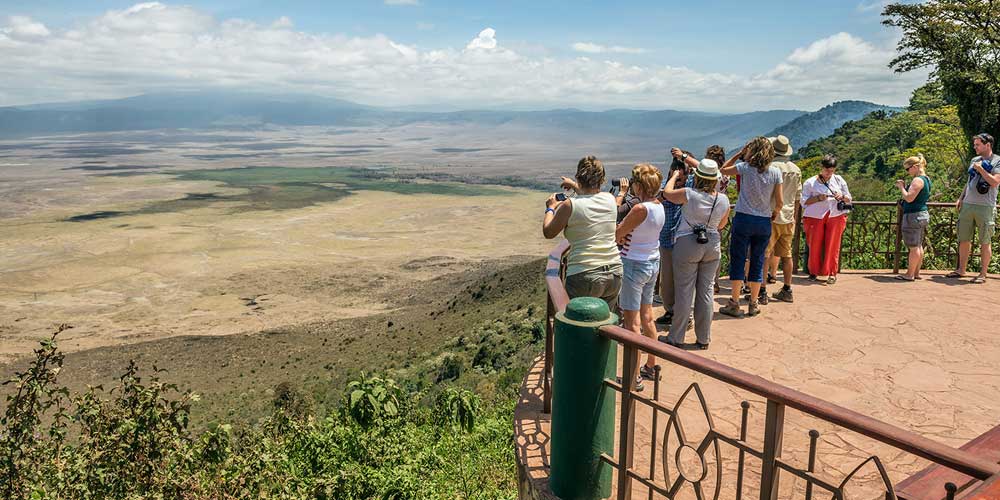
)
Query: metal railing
[{"x": 778, "y": 398}]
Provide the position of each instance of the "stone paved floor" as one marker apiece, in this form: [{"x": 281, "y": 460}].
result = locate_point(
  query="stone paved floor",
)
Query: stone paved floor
[{"x": 924, "y": 356}]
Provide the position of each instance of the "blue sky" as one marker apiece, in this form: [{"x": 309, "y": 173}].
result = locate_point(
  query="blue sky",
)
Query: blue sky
[{"x": 648, "y": 54}]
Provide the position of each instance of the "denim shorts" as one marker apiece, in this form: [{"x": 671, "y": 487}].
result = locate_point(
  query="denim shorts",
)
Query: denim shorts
[{"x": 638, "y": 282}]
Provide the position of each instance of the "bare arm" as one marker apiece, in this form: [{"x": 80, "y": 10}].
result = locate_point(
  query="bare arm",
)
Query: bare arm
[
  {"x": 809, "y": 197},
  {"x": 992, "y": 179},
  {"x": 916, "y": 185},
  {"x": 729, "y": 168},
  {"x": 677, "y": 196},
  {"x": 778, "y": 202},
  {"x": 554, "y": 222},
  {"x": 725, "y": 220},
  {"x": 631, "y": 221}
]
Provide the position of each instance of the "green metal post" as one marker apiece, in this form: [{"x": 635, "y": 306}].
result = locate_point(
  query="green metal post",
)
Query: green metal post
[{"x": 583, "y": 408}]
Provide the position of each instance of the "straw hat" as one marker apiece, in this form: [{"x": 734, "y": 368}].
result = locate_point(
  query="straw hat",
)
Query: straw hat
[
  {"x": 707, "y": 169},
  {"x": 782, "y": 146}
]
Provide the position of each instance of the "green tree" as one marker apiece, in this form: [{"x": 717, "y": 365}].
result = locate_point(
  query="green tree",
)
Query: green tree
[{"x": 960, "y": 40}]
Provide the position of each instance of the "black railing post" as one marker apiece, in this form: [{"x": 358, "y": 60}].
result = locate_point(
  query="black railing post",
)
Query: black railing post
[{"x": 774, "y": 423}]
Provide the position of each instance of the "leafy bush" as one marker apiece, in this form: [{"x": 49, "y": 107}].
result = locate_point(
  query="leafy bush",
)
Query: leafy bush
[{"x": 133, "y": 441}]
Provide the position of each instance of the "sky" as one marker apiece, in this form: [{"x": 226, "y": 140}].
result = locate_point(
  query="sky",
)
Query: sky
[{"x": 710, "y": 55}]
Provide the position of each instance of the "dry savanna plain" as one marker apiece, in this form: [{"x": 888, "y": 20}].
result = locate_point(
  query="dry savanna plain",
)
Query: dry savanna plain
[{"x": 135, "y": 237}]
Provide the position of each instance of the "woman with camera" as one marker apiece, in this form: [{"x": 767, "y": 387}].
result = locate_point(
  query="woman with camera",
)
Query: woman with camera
[
  {"x": 915, "y": 213},
  {"x": 697, "y": 250},
  {"x": 758, "y": 203},
  {"x": 826, "y": 201},
  {"x": 593, "y": 266},
  {"x": 639, "y": 237}
]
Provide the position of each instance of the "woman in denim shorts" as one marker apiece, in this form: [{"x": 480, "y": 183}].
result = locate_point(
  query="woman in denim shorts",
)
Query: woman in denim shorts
[
  {"x": 915, "y": 214},
  {"x": 638, "y": 235}
]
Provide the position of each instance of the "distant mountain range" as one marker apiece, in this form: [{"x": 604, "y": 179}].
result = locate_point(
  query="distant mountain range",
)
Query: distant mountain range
[
  {"x": 811, "y": 126},
  {"x": 653, "y": 130}
]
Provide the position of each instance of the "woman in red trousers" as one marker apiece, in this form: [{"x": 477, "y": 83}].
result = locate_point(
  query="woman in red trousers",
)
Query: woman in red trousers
[{"x": 824, "y": 218}]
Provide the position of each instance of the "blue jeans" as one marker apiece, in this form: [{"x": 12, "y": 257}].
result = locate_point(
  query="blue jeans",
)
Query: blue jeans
[
  {"x": 638, "y": 282},
  {"x": 749, "y": 236}
]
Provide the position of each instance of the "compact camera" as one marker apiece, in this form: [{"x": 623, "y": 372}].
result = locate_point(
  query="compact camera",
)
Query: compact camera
[
  {"x": 700, "y": 233},
  {"x": 843, "y": 206}
]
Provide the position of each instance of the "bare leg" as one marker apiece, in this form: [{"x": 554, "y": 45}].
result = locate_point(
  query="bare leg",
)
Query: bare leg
[
  {"x": 786, "y": 268},
  {"x": 632, "y": 322},
  {"x": 987, "y": 254},
  {"x": 737, "y": 285},
  {"x": 772, "y": 265},
  {"x": 914, "y": 261},
  {"x": 964, "y": 248},
  {"x": 754, "y": 291},
  {"x": 648, "y": 328}
]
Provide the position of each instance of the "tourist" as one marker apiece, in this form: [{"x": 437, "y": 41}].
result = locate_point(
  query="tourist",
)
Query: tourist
[
  {"x": 697, "y": 250},
  {"x": 587, "y": 221},
  {"x": 915, "y": 214},
  {"x": 672, "y": 211},
  {"x": 826, "y": 201},
  {"x": 624, "y": 198},
  {"x": 639, "y": 238},
  {"x": 977, "y": 207},
  {"x": 783, "y": 226},
  {"x": 759, "y": 199}
]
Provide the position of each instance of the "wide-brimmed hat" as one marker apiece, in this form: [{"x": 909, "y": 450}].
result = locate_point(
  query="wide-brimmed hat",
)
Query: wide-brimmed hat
[
  {"x": 707, "y": 169},
  {"x": 782, "y": 146}
]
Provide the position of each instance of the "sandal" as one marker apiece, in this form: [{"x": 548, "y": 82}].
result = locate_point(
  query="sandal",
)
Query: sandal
[
  {"x": 979, "y": 279},
  {"x": 955, "y": 274},
  {"x": 903, "y": 277},
  {"x": 732, "y": 308},
  {"x": 832, "y": 280}
]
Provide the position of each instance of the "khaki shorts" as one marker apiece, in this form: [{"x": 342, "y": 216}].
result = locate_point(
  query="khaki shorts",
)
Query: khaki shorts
[
  {"x": 976, "y": 217},
  {"x": 781, "y": 240}
]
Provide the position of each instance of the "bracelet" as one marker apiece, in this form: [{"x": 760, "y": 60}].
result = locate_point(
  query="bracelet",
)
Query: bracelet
[{"x": 550, "y": 209}]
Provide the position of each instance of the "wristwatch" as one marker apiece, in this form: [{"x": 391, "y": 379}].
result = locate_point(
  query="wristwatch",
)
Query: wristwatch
[{"x": 684, "y": 156}]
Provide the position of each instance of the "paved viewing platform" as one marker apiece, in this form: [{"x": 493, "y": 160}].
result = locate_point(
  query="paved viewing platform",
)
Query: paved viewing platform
[{"x": 923, "y": 356}]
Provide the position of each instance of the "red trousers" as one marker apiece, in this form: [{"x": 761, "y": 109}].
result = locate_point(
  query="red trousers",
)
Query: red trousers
[{"x": 823, "y": 237}]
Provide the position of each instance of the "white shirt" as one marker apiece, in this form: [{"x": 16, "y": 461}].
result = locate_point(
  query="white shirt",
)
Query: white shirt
[{"x": 813, "y": 187}]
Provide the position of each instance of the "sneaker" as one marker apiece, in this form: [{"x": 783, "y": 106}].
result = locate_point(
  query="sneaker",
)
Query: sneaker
[
  {"x": 812, "y": 277},
  {"x": 784, "y": 295},
  {"x": 666, "y": 340},
  {"x": 753, "y": 309},
  {"x": 666, "y": 319},
  {"x": 770, "y": 279},
  {"x": 831, "y": 280},
  {"x": 732, "y": 308},
  {"x": 700, "y": 346},
  {"x": 648, "y": 373},
  {"x": 762, "y": 297}
]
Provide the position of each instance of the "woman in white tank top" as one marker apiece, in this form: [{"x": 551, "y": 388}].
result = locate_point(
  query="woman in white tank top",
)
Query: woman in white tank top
[{"x": 638, "y": 235}]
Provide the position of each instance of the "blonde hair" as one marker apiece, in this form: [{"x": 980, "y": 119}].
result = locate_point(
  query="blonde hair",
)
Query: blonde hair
[
  {"x": 590, "y": 172},
  {"x": 646, "y": 180},
  {"x": 706, "y": 185},
  {"x": 759, "y": 153},
  {"x": 918, "y": 160}
]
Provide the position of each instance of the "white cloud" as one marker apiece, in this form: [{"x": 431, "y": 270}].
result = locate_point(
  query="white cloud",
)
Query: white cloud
[
  {"x": 487, "y": 39},
  {"x": 153, "y": 47},
  {"x": 873, "y": 5},
  {"x": 593, "y": 48},
  {"x": 24, "y": 27},
  {"x": 402, "y": 2}
]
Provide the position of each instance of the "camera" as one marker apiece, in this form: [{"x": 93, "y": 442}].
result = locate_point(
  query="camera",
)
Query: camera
[
  {"x": 616, "y": 183},
  {"x": 560, "y": 197},
  {"x": 844, "y": 206},
  {"x": 700, "y": 233}
]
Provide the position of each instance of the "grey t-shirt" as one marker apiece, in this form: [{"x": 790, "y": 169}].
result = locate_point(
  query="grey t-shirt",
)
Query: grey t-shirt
[
  {"x": 972, "y": 196},
  {"x": 697, "y": 210},
  {"x": 757, "y": 190}
]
